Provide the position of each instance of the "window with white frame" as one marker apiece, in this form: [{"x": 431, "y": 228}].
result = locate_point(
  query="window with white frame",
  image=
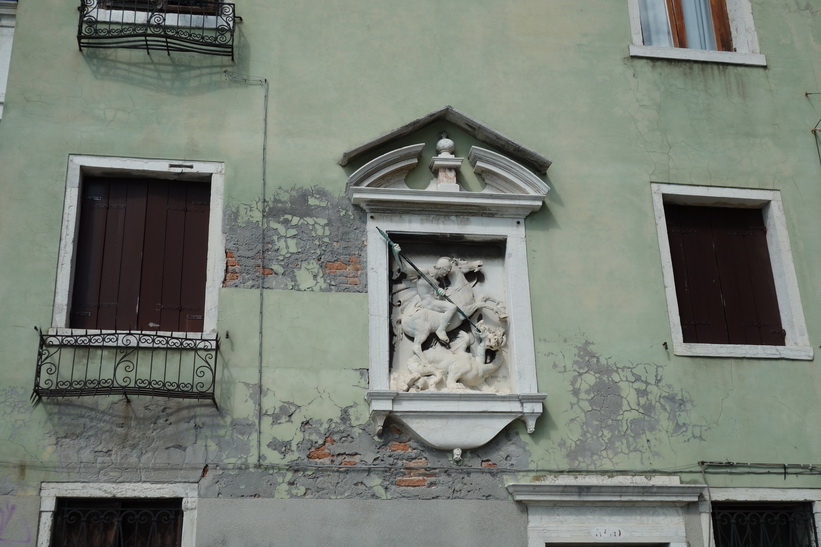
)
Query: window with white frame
[
  {"x": 118, "y": 514},
  {"x": 8, "y": 9},
  {"x": 698, "y": 30},
  {"x": 728, "y": 273},
  {"x": 141, "y": 247}
]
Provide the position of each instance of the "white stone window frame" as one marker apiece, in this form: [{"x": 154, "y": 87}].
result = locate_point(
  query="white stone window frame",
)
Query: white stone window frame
[
  {"x": 134, "y": 17},
  {"x": 80, "y": 166},
  {"x": 8, "y": 12},
  {"x": 742, "y": 26},
  {"x": 50, "y": 491},
  {"x": 767, "y": 495},
  {"x": 590, "y": 509},
  {"x": 797, "y": 344},
  {"x": 451, "y": 420}
]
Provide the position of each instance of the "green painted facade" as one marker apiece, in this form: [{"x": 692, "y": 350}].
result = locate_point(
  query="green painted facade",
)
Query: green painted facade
[{"x": 554, "y": 76}]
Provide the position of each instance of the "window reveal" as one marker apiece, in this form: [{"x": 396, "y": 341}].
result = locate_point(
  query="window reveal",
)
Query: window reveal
[
  {"x": 723, "y": 276},
  {"x": 693, "y": 24},
  {"x": 141, "y": 255}
]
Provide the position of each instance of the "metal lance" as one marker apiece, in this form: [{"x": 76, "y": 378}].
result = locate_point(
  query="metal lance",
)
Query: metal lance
[{"x": 401, "y": 255}]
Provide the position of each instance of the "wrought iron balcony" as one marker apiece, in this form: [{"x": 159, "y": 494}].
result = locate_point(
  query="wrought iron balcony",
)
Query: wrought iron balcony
[
  {"x": 198, "y": 26},
  {"x": 116, "y": 363}
]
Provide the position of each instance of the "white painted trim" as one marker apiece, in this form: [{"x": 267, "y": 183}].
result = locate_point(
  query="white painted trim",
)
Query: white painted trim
[
  {"x": 565, "y": 509},
  {"x": 742, "y": 26},
  {"x": 766, "y": 494},
  {"x": 797, "y": 344},
  {"x": 698, "y": 55},
  {"x": 50, "y": 491},
  {"x": 78, "y": 166},
  {"x": 7, "y": 22}
]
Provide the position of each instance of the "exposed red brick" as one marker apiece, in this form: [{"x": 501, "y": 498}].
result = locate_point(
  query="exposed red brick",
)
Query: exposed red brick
[
  {"x": 488, "y": 463},
  {"x": 336, "y": 266},
  {"x": 352, "y": 280},
  {"x": 348, "y": 462},
  {"x": 231, "y": 276},
  {"x": 319, "y": 453},
  {"x": 353, "y": 260},
  {"x": 411, "y": 481},
  {"x": 418, "y": 462},
  {"x": 399, "y": 447},
  {"x": 232, "y": 262},
  {"x": 229, "y": 254}
]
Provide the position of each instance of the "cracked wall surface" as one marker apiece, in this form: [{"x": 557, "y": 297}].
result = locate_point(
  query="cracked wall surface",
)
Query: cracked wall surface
[
  {"x": 314, "y": 241},
  {"x": 619, "y": 412}
]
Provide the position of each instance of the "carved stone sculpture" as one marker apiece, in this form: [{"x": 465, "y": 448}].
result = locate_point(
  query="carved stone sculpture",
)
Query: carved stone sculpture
[{"x": 435, "y": 310}]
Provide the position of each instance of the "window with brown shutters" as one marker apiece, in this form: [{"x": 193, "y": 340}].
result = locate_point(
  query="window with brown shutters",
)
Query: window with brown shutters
[
  {"x": 141, "y": 255},
  {"x": 723, "y": 276}
]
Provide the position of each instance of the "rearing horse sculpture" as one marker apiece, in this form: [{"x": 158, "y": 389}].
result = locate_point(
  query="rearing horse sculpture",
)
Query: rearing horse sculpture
[{"x": 419, "y": 322}]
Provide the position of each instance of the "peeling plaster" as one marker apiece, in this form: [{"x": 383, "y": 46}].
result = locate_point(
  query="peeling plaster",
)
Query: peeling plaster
[
  {"x": 314, "y": 241},
  {"x": 621, "y": 410},
  {"x": 339, "y": 458}
]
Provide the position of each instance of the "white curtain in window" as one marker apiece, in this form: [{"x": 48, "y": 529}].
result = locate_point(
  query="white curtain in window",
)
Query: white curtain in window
[
  {"x": 655, "y": 23},
  {"x": 698, "y": 22}
]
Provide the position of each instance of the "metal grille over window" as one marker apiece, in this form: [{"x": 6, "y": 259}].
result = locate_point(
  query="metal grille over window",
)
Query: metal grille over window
[
  {"x": 764, "y": 525},
  {"x": 195, "y": 26},
  {"x": 82, "y": 365},
  {"x": 80, "y": 522}
]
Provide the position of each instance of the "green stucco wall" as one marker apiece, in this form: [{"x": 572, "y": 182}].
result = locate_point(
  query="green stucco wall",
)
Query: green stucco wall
[{"x": 554, "y": 76}]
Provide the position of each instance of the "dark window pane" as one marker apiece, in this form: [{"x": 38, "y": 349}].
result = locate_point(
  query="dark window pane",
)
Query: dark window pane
[
  {"x": 764, "y": 525},
  {"x": 90, "y": 522}
]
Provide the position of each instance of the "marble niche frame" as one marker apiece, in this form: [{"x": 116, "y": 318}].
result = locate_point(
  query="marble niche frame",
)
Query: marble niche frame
[{"x": 451, "y": 420}]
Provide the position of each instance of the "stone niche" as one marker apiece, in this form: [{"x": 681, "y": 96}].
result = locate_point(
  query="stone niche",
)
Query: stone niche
[{"x": 450, "y": 332}]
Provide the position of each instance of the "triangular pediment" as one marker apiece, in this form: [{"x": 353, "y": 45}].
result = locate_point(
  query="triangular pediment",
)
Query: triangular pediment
[
  {"x": 471, "y": 170},
  {"x": 471, "y": 126}
]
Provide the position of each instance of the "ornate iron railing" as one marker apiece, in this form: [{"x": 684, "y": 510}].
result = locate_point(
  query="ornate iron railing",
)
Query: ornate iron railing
[
  {"x": 764, "y": 525},
  {"x": 117, "y": 363},
  {"x": 198, "y": 26},
  {"x": 117, "y": 522}
]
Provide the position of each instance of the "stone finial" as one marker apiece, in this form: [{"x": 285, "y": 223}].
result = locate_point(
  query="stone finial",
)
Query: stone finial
[
  {"x": 444, "y": 166},
  {"x": 445, "y": 146}
]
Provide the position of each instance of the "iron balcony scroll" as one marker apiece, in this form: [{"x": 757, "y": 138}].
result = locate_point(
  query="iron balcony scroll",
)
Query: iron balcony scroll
[
  {"x": 197, "y": 26},
  {"x": 126, "y": 363}
]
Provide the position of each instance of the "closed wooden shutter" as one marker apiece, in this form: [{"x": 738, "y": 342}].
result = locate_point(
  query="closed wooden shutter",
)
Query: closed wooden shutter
[
  {"x": 723, "y": 276},
  {"x": 141, "y": 255}
]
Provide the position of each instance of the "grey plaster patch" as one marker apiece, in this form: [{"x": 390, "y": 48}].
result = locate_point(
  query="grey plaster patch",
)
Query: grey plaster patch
[
  {"x": 620, "y": 410},
  {"x": 336, "y": 458},
  {"x": 16, "y": 415},
  {"x": 314, "y": 241},
  {"x": 110, "y": 439}
]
